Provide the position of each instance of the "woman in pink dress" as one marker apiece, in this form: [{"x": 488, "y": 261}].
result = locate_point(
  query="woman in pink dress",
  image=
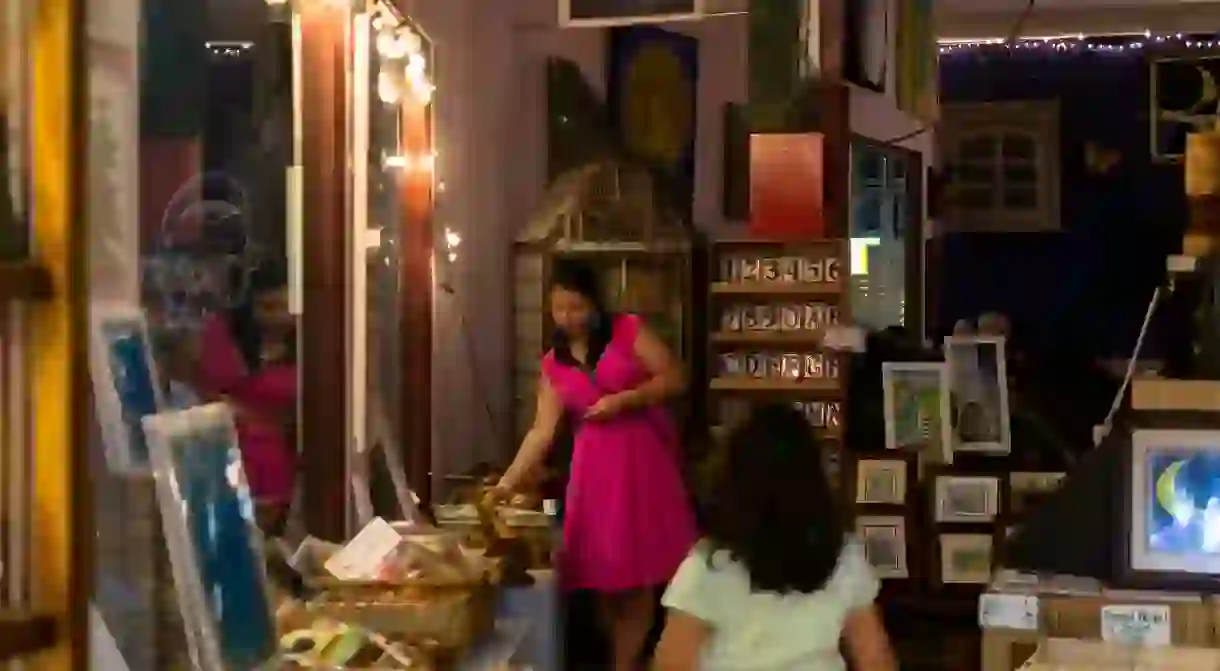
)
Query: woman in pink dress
[
  {"x": 247, "y": 359},
  {"x": 627, "y": 520}
]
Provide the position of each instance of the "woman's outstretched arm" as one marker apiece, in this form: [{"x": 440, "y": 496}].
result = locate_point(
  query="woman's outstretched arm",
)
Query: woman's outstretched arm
[{"x": 538, "y": 439}]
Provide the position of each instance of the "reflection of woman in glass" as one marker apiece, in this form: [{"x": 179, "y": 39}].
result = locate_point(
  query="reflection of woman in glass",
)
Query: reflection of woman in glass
[
  {"x": 247, "y": 358},
  {"x": 627, "y": 518}
]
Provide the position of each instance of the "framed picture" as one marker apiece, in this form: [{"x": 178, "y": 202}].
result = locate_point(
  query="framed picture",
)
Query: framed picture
[
  {"x": 916, "y": 397},
  {"x": 868, "y": 43},
  {"x": 885, "y": 545},
  {"x": 215, "y": 548},
  {"x": 965, "y": 559},
  {"x": 967, "y": 499},
  {"x": 1027, "y": 488},
  {"x": 881, "y": 481},
  {"x": 126, "y": 387},
  {"x": 978, "y": 388},
  {"x": 1171, "y": 505}
]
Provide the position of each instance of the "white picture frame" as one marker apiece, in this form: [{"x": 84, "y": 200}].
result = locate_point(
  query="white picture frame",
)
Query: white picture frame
[
  {"x": 885, "y": 545},
  {"x": 692, "y": 10},
  {"x": 195, "y": 456},
  {"x": 937, "y": 442},
  {"x": 978, "y": 394},
  {"x": 966, "y": 499},
  {"x": 966, "y": 559},
  {"x": 126, "y": 384},
  {"x": 881, "y": 481}
]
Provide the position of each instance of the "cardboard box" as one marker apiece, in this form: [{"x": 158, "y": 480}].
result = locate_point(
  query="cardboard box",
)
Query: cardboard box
[
  {"x": 1008, "y": 649},
  {"x": 1079, "y": 617},
  {"x": 1077, "y": 655}
]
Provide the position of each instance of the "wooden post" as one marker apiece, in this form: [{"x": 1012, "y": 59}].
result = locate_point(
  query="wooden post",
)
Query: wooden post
[
  {"x": 62, "y": 521},
  {"x": 323, "y": 357}
]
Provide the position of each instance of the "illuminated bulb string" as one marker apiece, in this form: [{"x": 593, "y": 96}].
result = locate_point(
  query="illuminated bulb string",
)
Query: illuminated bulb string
[{"x": 1080, "y": 44}]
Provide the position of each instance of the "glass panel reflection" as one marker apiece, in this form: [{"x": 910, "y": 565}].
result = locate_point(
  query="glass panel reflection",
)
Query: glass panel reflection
[
  {"x": 14, "y": 106},
  {"x": 191, "y": 138}
]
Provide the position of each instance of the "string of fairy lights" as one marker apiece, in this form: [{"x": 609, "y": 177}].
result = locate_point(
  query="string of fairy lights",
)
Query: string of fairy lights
[{"x": 1079, "y": 44}]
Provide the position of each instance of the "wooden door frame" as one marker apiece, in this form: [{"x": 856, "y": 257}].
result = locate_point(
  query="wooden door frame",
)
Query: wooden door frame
[{"x": 325, "y": 431}]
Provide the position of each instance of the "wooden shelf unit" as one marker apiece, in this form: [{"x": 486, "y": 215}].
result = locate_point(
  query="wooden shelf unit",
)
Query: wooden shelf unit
[
  {"x": 24, "y": 280},
  {"x": 784, "y": 278},
  {"x": 23, "y": 634}
]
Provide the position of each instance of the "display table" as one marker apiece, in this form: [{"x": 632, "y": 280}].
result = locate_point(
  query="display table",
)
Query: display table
[
  {"x": 1018, "y": 617},
  {"x": 503, "y": 646},
  {"x": 537, "y": 605}
]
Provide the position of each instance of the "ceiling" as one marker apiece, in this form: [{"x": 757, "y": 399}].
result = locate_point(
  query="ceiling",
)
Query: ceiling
[{"x": 978, "y": 19}]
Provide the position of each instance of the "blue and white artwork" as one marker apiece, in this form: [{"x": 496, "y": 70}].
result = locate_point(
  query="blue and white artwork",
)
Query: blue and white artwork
[
  {"x": 215, "y": 546},
  {"x": 125, "y": 385}
]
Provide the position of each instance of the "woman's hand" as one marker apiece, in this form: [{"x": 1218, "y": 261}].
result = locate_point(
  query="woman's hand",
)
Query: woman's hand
[{"x": 607, "y": 407}]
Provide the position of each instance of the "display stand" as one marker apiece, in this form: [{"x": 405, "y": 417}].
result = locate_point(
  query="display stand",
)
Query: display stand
[{"x": 606, "y": 214}]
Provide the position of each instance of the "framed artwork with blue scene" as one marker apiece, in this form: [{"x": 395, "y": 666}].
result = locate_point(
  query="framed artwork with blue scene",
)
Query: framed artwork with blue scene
[
  {"x": 126, "y": 387},
  {"x": 1172, "y": 507},
  {"x": 651, "y": 87},
  {"x": 215, "y": 548}
]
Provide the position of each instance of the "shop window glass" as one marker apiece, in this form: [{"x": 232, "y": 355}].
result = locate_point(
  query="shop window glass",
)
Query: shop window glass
[
  {"x": 191, "y": 141},
  {"x": 879, "y": 229},
  {"x": 14, "y": 122}
]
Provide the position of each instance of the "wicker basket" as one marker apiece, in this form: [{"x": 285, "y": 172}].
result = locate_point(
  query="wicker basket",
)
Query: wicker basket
[{"x": 452, "y": 618}]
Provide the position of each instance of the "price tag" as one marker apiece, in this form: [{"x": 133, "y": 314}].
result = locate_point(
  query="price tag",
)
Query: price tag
[
  {"x": 1135, "y": 625},
  {"x": 363, "y": 557},
  {"x": 1008, "y": 611}
]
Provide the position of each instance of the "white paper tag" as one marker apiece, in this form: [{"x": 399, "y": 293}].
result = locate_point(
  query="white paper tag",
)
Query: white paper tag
[
  {"x": 364, "y": 556},
  {"x": 1008, "y": 611},
  {"x": 550, "y": 507},
  {"x": 1136, "y": 625}
]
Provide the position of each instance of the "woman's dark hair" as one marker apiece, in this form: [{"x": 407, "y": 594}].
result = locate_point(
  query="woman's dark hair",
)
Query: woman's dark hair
[
  {"x": 580, "y": 278},
  {"x": 770, "y": 506},
  {"x": 243, "y": 327}
]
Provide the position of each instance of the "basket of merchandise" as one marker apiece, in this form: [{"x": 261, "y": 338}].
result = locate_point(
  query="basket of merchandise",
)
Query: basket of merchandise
[
  {"x": 323, "y": 643},
  {"x": 517, "y": 530},
  {"x": 410, "y": 583}
]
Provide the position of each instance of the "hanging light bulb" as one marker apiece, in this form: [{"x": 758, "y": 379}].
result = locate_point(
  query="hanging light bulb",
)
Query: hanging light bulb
[
  {"x": 390, "y": 46},
  {"x": 389, "y": 89},
  {"x": 452, "y": 239},
  {"x": 412, "y": 44}
]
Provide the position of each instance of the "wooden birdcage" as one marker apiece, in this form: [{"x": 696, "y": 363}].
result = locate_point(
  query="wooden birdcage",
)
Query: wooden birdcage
[{"x": 607, "y": 214}]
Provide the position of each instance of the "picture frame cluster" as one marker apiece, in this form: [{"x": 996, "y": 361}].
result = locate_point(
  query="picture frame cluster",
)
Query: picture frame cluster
[{"x": 934, "y": 509}]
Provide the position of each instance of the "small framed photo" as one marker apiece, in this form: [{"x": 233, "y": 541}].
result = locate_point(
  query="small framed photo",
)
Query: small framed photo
[
  {"x": 881, "y": 481},
  {"x": 978, "y": 392},
  {"x": 916, "y": 400},
  {"x": 965, "y": 559},
  {"x": 967, "y": 499},
  {"x": 126, "y": 387},
  {"x": 1026, "y": 489},
  {"x": 885, "y": 545}
]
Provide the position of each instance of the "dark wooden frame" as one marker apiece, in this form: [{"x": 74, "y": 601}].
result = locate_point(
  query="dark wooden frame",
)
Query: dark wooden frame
[
  {"x": 1124, "y": 575},
  {"x": 851, "y": 474},
  {"x": 909, "y": 539},
  {"x": 323, "y": 434},
  {"x": 857, "y": 32}
]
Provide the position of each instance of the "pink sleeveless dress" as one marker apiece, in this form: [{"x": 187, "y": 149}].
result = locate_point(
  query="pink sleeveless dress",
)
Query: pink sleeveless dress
[
  {"x": 627, "y": 519},
  {"x": 261, "y": 401}
]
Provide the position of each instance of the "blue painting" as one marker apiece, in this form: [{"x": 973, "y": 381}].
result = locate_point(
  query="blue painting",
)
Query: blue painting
[
  {"x": 129, "y": 370},
  {"x": 1183, "y": 501},
  {"x": 218, "y": 515}
]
